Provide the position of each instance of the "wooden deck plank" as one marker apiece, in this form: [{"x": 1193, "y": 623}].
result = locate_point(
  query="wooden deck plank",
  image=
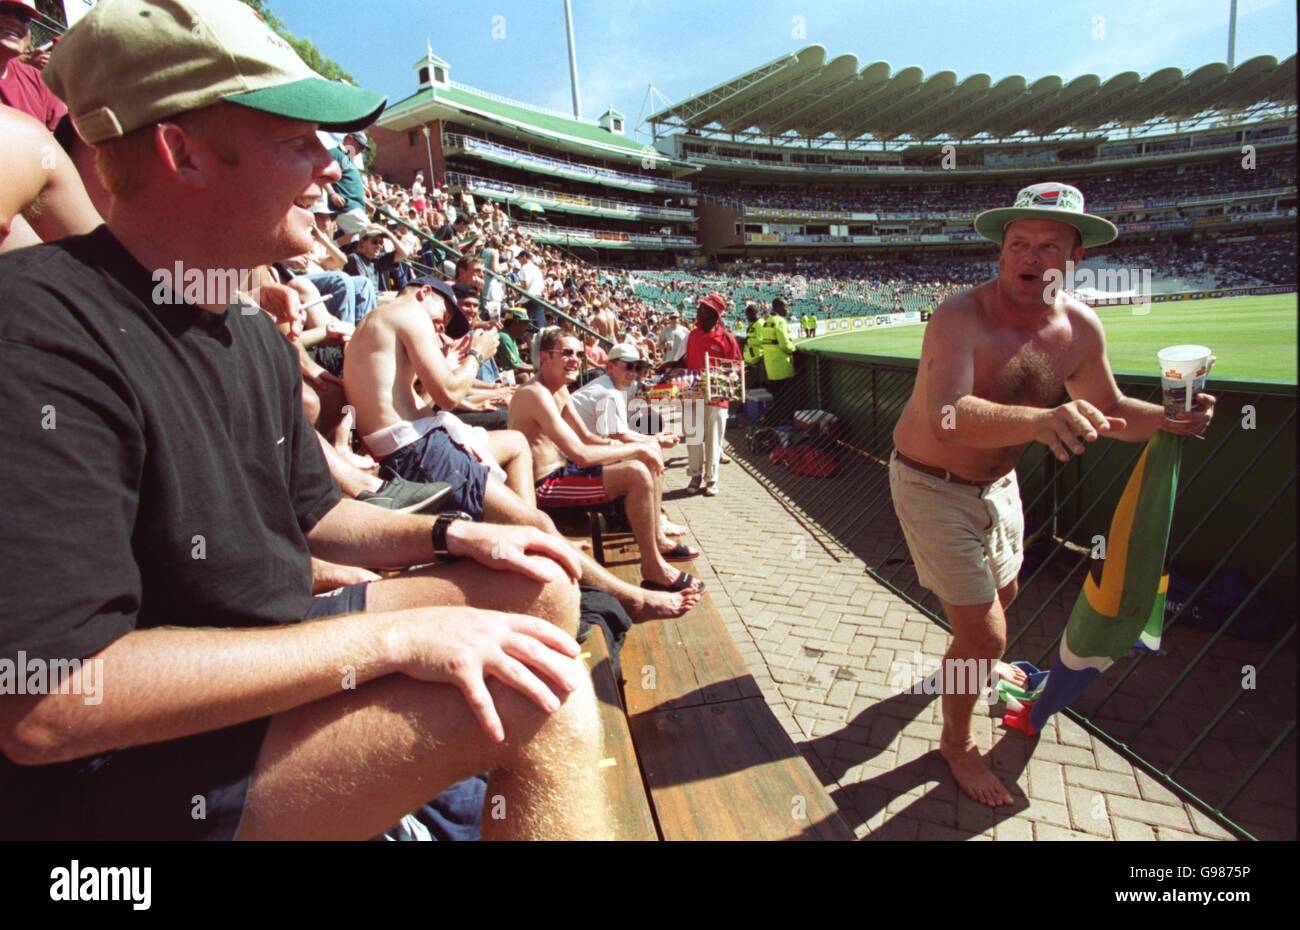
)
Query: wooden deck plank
[
  {"x": 622, "y": 775},
  {"x": 729, "y": 772},
  {"x": 684, "y": 661}
]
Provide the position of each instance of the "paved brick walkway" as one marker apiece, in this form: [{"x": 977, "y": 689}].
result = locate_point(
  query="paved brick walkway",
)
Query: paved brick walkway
[{"x": 821, "y": 636}]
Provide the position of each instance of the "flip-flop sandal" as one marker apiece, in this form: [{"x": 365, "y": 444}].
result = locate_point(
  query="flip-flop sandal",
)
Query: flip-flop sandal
[
  {"x": 675, "y": 530},
  {"x": 680, "y": 553},
  {"x": 683, "y": 582}
]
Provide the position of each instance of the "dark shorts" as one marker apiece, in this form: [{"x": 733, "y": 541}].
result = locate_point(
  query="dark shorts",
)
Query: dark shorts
[
  {"x": 192, "y": 788},
  {"x": 434, "y": 457},
  {"x": 572, "y": 486}
]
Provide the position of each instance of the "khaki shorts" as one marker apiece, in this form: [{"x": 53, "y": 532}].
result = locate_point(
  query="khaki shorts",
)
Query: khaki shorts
[{"x": 966, "y": 542}]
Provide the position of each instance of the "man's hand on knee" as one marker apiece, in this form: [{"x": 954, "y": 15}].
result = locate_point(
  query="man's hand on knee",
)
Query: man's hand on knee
[
  {"x": 465, "y": 646},
  {"x": 524, "y": 549}
]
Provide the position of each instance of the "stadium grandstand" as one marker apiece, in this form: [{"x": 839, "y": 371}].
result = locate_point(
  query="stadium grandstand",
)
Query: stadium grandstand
[
  {"x": 762, "y": 175},
  {"x": 566, "y": 181},
  {"x": 505, "y": 325}
]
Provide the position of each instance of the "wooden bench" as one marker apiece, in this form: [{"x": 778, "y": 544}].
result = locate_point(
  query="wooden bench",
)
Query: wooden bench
[
  {"x": 634, "y": 819},
  {"x": 714, "y": 762}
]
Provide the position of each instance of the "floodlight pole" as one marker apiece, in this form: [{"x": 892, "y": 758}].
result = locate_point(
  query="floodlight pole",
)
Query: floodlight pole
[
  {"x": 1232, "y": 33},
  {"x": 428, "y": 147},
  {"x": 573, "y": 60}
]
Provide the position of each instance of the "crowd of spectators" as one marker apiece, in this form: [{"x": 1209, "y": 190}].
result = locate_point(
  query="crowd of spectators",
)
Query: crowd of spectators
[{"x": 1160, "y": 186}]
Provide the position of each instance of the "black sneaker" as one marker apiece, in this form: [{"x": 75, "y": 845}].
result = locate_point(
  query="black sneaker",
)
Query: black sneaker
[{"x": 402, "y": 496}]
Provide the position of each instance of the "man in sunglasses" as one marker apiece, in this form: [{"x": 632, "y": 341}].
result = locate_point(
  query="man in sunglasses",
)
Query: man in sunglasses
[
  {"x": 601, "y": 404},
  {"x": 573, "y": 466},
  {"x": 21, "y": 86}
]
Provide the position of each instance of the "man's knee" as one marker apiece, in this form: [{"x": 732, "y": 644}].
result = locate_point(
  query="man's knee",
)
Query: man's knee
[
  {"x": 979, "y": 631},
  {"x": 558, "y": 602},
  {"x": 568, "y": 738},
  {"x": 639, "y": 475},
  {"x": 513, "y": 441},
  {"x": 984, "y": 643}
]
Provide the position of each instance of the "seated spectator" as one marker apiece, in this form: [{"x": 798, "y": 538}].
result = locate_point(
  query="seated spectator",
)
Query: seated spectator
[
  {"x": 354, "y": 474},
  {"x": 574, "y": 466},
  {"x": 516, "y": 330},
  {"x": 183, "y": 570},
  {"x": 369, "y": 260},
  {"x": 21, "y": 86},
  {"x": 42, "y": 198},
  {"x": 601, "y": 404},
  {"x": 409, "y": 431}
]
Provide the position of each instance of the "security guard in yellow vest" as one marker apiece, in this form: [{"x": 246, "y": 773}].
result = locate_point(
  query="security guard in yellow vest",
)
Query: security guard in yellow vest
[
  {"x": 753, "y": 351},
  {"x": 778, "y": 350}
]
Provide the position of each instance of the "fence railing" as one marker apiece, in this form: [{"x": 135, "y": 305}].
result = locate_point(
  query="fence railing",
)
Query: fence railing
[{"x": 1213, "y": 714}]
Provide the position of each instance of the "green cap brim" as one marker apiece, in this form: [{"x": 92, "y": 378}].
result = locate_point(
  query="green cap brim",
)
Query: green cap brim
[
  {"x": 330, "y": 104},
  {"x": 1095, "y": 231}
]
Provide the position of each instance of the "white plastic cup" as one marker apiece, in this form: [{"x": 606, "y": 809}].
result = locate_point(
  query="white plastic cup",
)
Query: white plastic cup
[{"x": 1183, "y": 370}]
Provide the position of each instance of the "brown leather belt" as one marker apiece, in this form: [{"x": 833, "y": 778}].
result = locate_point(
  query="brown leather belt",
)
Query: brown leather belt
[{"x": 937, "y": 472}]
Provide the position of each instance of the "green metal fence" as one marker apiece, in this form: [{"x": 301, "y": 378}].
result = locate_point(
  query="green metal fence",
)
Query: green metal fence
[{"x": 1212, "y": 715}]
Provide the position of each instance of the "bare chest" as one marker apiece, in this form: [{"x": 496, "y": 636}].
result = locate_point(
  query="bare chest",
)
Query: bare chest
[{"x": 1027, "y": 373}]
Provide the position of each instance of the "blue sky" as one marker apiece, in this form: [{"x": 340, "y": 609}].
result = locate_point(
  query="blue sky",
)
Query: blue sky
[{"x": 517, "y": 47}]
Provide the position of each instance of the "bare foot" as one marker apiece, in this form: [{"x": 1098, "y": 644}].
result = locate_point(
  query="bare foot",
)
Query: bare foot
[
  {"x": 660, "y": 605},
  {"x": 973, "y": 776},
  {"x": 1011, "y": 673},
  {"x": 668, "y": 528}
]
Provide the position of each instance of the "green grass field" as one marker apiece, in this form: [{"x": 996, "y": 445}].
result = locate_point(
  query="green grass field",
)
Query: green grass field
[{"x": 1252, "y": 337}]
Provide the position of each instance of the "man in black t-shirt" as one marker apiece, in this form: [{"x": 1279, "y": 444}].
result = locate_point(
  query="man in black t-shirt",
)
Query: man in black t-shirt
[{"x": 160, "y": 520}]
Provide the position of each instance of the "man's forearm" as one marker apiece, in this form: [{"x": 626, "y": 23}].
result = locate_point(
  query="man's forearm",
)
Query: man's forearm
[
  {"x": 166, "y": 683},
  {"x": 456, "y": 386},
  {"x": 983, "y": 424},
  {"x": 356, "y": 533},
  {"x": 1143, "y": 419}
]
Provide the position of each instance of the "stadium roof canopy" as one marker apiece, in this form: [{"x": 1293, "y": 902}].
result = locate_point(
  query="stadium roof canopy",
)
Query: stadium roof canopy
[{"x": 805, "y": 95}]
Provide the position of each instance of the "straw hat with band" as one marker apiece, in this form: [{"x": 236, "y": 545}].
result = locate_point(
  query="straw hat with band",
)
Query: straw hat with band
[
  {"x": 1050, "y": 201},
  {"x": 131, "y": 63}
]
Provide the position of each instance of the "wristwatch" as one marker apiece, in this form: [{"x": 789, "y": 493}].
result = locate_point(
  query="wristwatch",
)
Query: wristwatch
[
  {"x": 475, "y": 354},
  {"x": 439, "y": 532}
]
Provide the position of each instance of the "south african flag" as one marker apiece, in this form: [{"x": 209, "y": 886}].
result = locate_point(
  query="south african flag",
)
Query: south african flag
[{"x": 1122, "y": 604}]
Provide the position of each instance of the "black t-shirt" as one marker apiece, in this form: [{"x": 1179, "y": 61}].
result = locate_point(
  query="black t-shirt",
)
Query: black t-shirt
[{"x": 159, "y": 469}]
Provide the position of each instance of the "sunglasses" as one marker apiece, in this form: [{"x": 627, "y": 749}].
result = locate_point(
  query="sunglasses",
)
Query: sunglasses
[{"x": 567, "y": 353}]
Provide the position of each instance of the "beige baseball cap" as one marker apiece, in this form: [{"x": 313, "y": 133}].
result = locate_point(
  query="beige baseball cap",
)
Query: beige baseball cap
[{"x": 130, "y": 63}]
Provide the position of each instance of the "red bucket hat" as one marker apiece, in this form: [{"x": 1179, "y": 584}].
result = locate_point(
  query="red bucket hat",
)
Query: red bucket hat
[{"x": 714, "y": 301}]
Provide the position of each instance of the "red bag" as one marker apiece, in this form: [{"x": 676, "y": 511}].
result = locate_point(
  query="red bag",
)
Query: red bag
[{"x": 807, "y": 461}]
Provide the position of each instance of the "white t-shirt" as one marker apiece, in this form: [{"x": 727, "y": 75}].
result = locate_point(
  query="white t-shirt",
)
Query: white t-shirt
[
  {"x": 672, "y": 344},
  {"x": 532, "y": 279},
  {"x": 601, "y": 407}
]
